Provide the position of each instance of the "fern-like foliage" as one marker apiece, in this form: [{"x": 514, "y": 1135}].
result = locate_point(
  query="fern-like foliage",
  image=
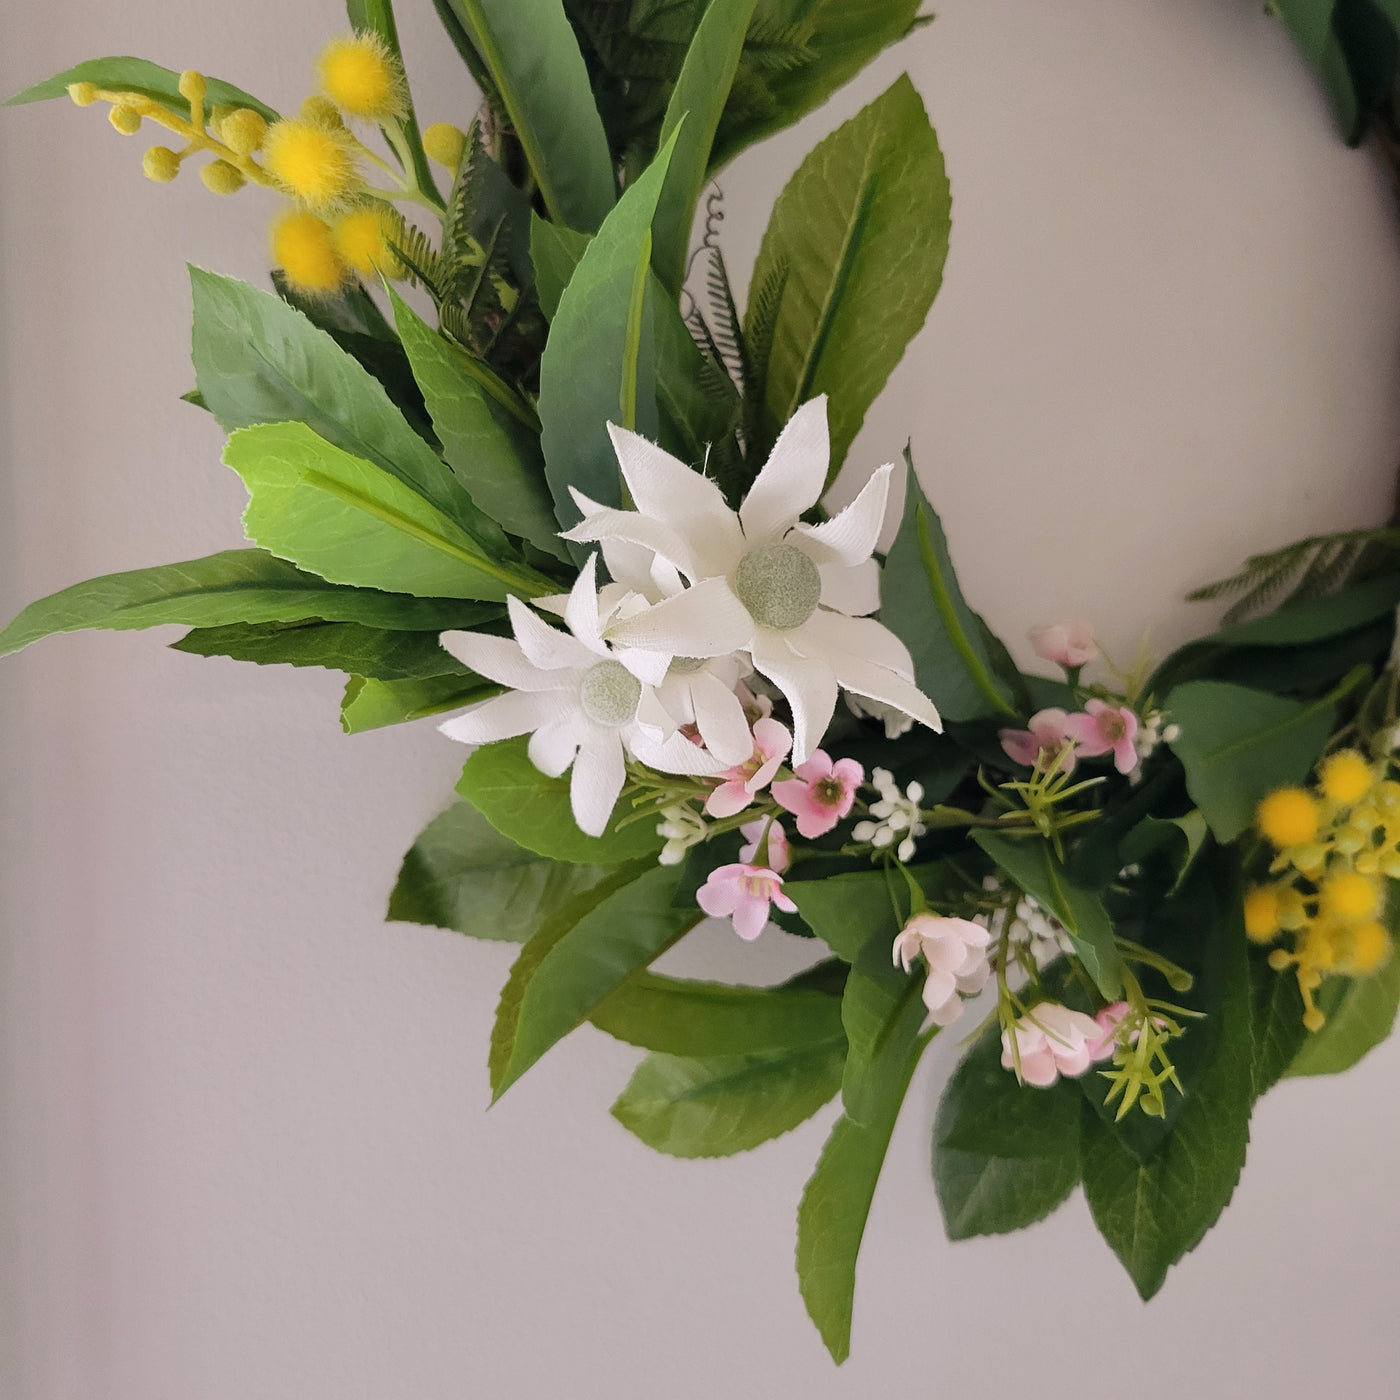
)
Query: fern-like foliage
[{"x": 1309, "y": 568}]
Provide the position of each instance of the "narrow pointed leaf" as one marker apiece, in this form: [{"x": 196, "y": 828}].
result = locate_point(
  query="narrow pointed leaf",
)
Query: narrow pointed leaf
[{"x": 137, "y": 75}]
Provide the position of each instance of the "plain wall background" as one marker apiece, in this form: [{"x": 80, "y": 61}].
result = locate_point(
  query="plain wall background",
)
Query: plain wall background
[{"x": 245, "y": 1152}]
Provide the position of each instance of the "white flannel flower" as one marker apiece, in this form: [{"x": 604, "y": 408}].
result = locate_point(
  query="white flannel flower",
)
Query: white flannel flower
[
  {"x": 956, "y": 953},
  {"x": 582, "y": 702},
  {"x": 897, "y": 812},
  {"x": 793, "y": 596}
]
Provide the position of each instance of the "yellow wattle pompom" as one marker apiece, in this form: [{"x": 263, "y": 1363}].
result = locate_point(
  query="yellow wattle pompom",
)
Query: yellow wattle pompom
[
  {"x": 1288, "y": 817},
  {"x": 83, "y": 94},
  {"x": 314, "y": 162},
  {"x": 1349, "y": 896},
  {"x": 160, "y": 164},
  {"x": 362, "y": 240},
  {"x": 222, "y": 178},
  {"x": 1370, "y": 948},
  {"x": 125, "y": 119},
  {"x": 302, "y": 248},
  {"x": 445, "y": 143},
  {"x": 242, "y": 131},
  {"x": 361, "y": 76},
  {"x": 1261, "y": 913},
  {"x": 1345, "y": 777}
]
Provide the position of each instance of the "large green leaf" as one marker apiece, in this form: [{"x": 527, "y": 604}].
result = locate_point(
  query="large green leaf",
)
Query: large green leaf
[
  {"x": 500, "y": 469},
  {"x": 345, "y": 519},
  {"x": 1238, "y": 744},
  {"x": 539, "y": 74},
  {"x": 922, "y": 604},
  {"x": 1360, "y": 1015},
  {"x": 706, "y": 1020},
  {"x": 583, "y": 951},
  {"x": 239, "y": 585},
  {"x": 533, "y": 810},
  {"x": 462, "y": 874},
  {"x": 716, "y": 1107},
  {"x": 698, "y": 100},
  {"x": 1277, "y": 1024},
  {"x": 862, "y": 229},
  {"x": 136, "y": 75},
  {"x": 373, "y": 704},
  {"x": 599, "y": 362}
]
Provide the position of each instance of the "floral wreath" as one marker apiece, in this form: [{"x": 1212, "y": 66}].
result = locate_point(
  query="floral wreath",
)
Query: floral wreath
[{"x": 583, "y": 516}]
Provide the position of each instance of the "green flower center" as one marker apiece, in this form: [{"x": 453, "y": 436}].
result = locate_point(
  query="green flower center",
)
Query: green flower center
[
  {"x": 779, "y": 585},
  {"x": 610, "y": 694}
]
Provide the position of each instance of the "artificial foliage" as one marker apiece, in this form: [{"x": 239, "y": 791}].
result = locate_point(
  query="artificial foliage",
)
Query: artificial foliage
[{"x": 572, "y": 506}]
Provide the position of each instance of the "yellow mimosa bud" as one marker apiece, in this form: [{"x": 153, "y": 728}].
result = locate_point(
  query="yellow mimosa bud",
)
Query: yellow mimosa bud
[
  {"x": 321, "y": 111},
  {"x": 1349, "y": 896},
  {"x": 1389, "y": 865},
  {"x": 243, "y": 131},
  {"x": 1345, "y": 777},
  {"x": 445, "y": 143},
  {"x": 83, "y": 94},
  {"x": 360, "y": 75},
  {"x": 1368, "y": 862},
  {"x": 315, "y": 163},
  {"x": 1288, "y": 817},
  {"x": 221, "y": 177},
  {"x": 160, "y": 164},
  {"x": 1261, "y": 913},
  {"x": 302, "y": 248},
  {"x": 1292, "y": 909},
  {"x": 193, "y": 88},
  {"x": 1280, "y": 959},
  {"x": 362, "y": 239},
  {"x": 1313, "y": 1019},
  {"x": 125, "y": 119},
  {"x": 1388, "y": 794},
  {"x": 1364, "y": 818},
  {"x": 1370, "y": 948}
]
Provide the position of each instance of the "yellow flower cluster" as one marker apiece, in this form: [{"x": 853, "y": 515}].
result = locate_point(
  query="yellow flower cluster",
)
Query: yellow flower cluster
[{"x": 1337, "y": 846}]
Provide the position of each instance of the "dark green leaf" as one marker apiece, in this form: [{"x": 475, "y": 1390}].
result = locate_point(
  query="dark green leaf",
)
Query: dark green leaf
[
  {"x": 372, "y": 704},
  {"x": 982, "y": 1195},
  {"x": 1277, "y": 1024},
  {"x": 556, "y": 252},
  {"x": 146, "y": 79}
]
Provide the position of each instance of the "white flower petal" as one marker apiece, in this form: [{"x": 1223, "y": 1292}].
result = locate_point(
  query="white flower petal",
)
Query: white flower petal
[
  {"x": 649, "y": 667},
  {"x": 850, "y": 537},
  {"x": 676, "y": 755},
  {"x": 830, "y": 634},
  {"x": 794, "y": 476},
  {"x": 505, "y": 716},
  {"x": 628, "y": 564},
  {"x": 581, "y": 613},
  {"x": 723, "y": 725},
  {"x": 854, "y": 592},
  {"x": 599, "y": 773},
  {"x": 547, "y": 647},
  {"x": 499, "y": 659},
  {"x": 809, "y": 685},
  {"x": 631, "y": 527},
  {"x": 878, "y": 683},
  {"x": 553, "y": 745},
  {"x": 652, "y": 715},
  {"x": 707, "y": 620},
  {"x": 691, "y": 504},
  {"x": 556, "y": 603}
]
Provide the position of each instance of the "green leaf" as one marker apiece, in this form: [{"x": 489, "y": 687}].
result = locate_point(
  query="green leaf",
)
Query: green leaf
[
  {"x": 462, "y": 874},
  {"x": 1277, "y": 1024},
  {"x": 534, "y": 61},
  {"x": 921, "y": 603},
  {"x": 1153, "y": 1213},
  {"x": 836, "y": 1202},
  {"x": 556, "y": 252},
  {"x": 707, "y": 1020},
  {"x": 259, "y": 360},
  {"x": 1237, "y": 745},
  {"x": 698, "y": 99},
  {"x": 345, "y": 519},
  {"x": 581, "y": 953},
  {"x": 339, "y": 646},
  {"x": 533, "y": 810},
  {"x": 490, "y": 462},
  {"x": 720, "y": 1106},
  {"x": 862, "y": 229},
  {"x": 1032, "y": 865},
  {"x": 598, "y": 365},
  {"x": 373, "y": 704},
  {"x": 239, "y": 585},
  {"x": 146, "y": 79},
  {"x": 1362, "y": 1016}
]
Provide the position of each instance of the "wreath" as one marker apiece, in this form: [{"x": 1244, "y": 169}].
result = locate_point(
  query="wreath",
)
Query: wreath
[{"x": 582, "y": 517}]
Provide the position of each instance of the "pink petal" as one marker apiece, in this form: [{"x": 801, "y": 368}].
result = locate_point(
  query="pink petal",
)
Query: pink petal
[{"x": 751, "y": 916}]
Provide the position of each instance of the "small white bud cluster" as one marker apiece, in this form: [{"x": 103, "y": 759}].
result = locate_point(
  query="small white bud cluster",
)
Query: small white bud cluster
[
  {"x": 896, "y": 722},
  {"x": 683, "y": 827},
  {"x": 898, "y": 812},
  {"x": 1153, "y": 731}
]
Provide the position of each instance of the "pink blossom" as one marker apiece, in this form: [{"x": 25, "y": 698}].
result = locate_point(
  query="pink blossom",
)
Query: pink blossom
[
  {"x": 742, "y": 893},
  {"x": 1067, "y": 644},
  {"x": 1105, "y": 728},
  {"x": 1107, "y": 1020},
  {"x": 739, "y": 785},
  {"x": 956, "y": 953},
  {"x": 778, "y": 856},
  {"x": 1042, "y": 741},
  {"x": 821, "y": 793},
  {"x": 1052, "y": 1040}
]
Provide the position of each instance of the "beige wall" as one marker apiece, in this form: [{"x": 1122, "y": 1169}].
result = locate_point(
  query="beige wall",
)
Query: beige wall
[{"x": 245, "y": 1153}]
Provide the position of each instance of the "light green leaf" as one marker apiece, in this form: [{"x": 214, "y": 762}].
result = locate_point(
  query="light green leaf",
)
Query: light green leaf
[
  {"x": 922, "y": 604},
  {"x": 239, "y": 585},
  {"x": 717, "y": 1107},
  {"x": 862, "y": 229},
  {"x": 136, "y": 75},
  {"x": 501, "y": 471},
  {"x": 599, "y": 364},
  {"x": 373, "y": 704},
  {"x": 556, "y": 252},
  {"x": 579, "y": 955},
  {"x": 1238, "y": 744},
  {"x": 530, "y": 51},
  {"x": 533, "y": 810},
  {"x": 462, "y": 874},
  {"x": 698, "y": 99},
  {"x": 345, "y": 519},
  {"x": 1360, "y": 1015}
]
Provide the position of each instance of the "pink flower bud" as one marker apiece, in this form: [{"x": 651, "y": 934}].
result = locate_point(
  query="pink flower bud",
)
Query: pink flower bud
[{"x": 1067, "y": 644}]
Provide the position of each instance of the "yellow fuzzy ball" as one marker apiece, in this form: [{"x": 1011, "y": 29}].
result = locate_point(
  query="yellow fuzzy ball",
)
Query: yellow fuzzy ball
[
  {"x": 362, "y": 240},
  {"x": 160, "y": 164},
  {"x": 1261, "y": 911},
  {"x": 445, "y": 143},
  {"x": 1370, "y": 948},
  {"x": 1288, "y": 817},
  {"x": 193, "y": 87},
  {"x": 1345, "y": 777},
  {"x": 222, "y": 178},
  {"x": 1349, "y": 896},
  {"x": 316, "y": 163},
  {"x": 242, "y": 131},
  {"x": 302, "y": 248},
  {"x": 360, "y": 75},
  {"x": 125, "y": 120}
]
